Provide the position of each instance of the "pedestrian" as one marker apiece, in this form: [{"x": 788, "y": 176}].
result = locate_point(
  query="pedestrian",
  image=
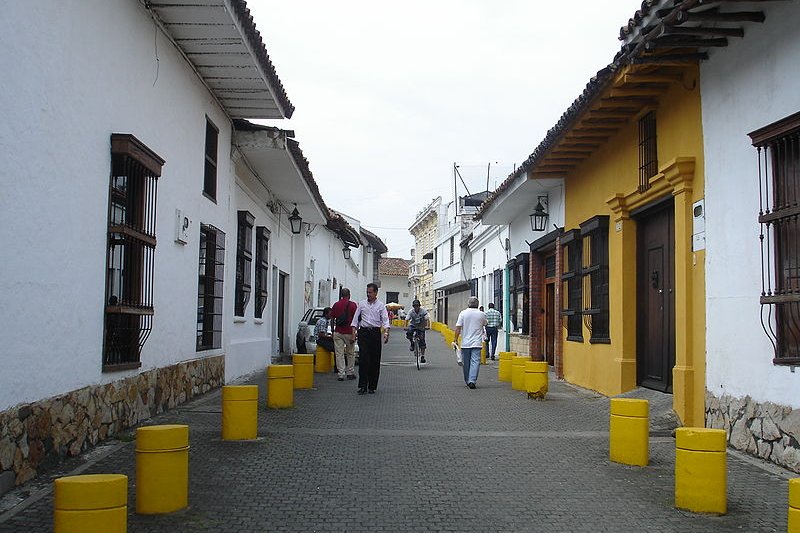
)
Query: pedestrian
[
  {"x": 493, "y": 321},
  {"x": 322, "y": 331},
  {"x": 417, "y": 320},
  {"x": 370, "y": 317},
  {"x": 471, "y": 322},
  {"x": 343, "y": 334}
]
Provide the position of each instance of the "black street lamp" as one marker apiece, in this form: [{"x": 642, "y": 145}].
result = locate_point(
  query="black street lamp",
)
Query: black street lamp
[
  {"x": 539, "y": 215},
  {"x": 295, "y": 221}
]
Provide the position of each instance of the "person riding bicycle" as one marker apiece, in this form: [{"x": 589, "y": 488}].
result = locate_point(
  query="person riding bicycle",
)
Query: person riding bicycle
[{"x": 417, "y": 320}]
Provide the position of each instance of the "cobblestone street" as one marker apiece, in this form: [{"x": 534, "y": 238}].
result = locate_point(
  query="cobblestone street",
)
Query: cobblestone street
[{"x": 423, "y": 454}]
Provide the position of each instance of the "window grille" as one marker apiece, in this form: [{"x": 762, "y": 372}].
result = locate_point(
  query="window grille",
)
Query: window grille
[
  {"x": 778, "y": 149},
  {"x": 262, "y": 269},
  {"x": 572, "y": 284},
  {"x": 244, "y": 260},
  {"x": 498, "y": 289},
  {"x": 209, "y": 290},
  {"x": 648, "y": 153},
  {"x": 210, "y": 169},
  {"x": 131, "y": 247},
  {"x": 518, "y": 293},
  {"x": 594, "y": 233},
  {"x": 452, "y": 250}
]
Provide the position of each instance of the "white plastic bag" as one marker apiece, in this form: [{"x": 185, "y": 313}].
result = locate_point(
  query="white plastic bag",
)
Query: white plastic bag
[{"x": 457, "y": 350}]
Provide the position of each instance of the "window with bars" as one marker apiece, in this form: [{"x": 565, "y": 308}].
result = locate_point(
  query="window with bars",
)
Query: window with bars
[
  {"x": 211, "y": 273},
  {"x": 131, "y": 245},
  {"x": 244, "y": 260},
  {"x": 573, "y": 284},
  {"x": 452, "y": 249},
  {"x": 210, "y": 169},
  {"x": 518, "y": 293},
  {"x": 648, "y": 152},
  {"x": 262, "y": 269},
  {"x": 497, "y": 280},
  {"x": 778, "y": 149},
  {"x": 594, "y": 234}
]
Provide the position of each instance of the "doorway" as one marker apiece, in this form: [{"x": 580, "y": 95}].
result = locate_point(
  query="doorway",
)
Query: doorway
[
  {"x": 655, "y": 309},
  {"x": 282, "y": 312}
]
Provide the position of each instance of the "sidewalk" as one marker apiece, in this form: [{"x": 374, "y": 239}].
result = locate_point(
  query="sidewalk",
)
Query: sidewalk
[{"x": 423, "y": 454}]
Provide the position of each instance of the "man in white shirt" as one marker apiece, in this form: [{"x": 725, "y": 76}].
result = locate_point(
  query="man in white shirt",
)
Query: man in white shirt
[
  {"x": 369, "y": 318},
  {"x": 470, "y": 323}
]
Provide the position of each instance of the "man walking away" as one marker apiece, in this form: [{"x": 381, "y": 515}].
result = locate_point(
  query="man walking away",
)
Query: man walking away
[
  {"x": 370, "y": 317},
  {"x": 471, "y": 322},
  {"x": 493, "y": 321},
  {"x": 343, "y": 334}
]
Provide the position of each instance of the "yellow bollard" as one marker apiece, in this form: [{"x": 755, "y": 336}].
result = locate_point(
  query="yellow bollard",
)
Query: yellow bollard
[
  {"x": 162, "y": 468},
  {"x": 303, "y": 371},
  {"x": 701, "y": 470},
  {"x": 518, "y": 372},
  {"x": 239, "y": 412},
  {"x": 280, "y": 386},
  {"x": 91, "y": 503},
  {"x": 483, "y": 353},
  {"x": 536, "y": 379},
  {"x": 504, "y": 367},
  {"x": 322, "y": 363},
  {"x": 629, "y": 432},
  {"x": 794, "y": 506}
]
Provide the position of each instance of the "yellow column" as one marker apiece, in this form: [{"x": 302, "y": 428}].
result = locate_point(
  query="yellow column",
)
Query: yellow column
[
  {"x": 518, "y": 372},
  {"x": 92, "y": 503},
  {"x": 280, "y": 386},
  {"x": 629, "y": 431},
  {"x": 322, "y": 364},
  {"x": 239, "y": 412},
  {"x": 794, "y": 506},
  {"x": 701, "y": 476},
  {"x": 536, "y": 379},
  {"x": 162, "y": 468},
  {"x": 504, "y": 367},
  {"x": 303, "y": 371}
]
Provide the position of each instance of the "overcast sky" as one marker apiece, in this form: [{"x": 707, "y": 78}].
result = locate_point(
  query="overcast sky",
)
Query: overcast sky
[{"x": 389, "y": 96}]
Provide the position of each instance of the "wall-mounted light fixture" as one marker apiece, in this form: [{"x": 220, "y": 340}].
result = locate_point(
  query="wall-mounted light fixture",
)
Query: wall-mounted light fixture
[
  {"x": 539, "y": 215},
  {"x": 346, "y": 252},
  {"x": 296, "y": 221},
  {"x": 369, "y": 249}
]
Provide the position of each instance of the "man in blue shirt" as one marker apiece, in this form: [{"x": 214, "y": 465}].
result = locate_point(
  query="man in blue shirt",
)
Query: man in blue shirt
[{"x": 493, "y": 321}]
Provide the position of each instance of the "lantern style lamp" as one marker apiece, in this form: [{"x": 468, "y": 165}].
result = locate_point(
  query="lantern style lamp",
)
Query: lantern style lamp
[
  {"x": 346, "y": 252},
  {"x": 539, "y": 215},
  {"x": 295, "y": 221}
]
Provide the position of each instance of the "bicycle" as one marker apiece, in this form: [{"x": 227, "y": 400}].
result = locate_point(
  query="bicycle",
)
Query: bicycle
[{"x": 417, "y": 349}]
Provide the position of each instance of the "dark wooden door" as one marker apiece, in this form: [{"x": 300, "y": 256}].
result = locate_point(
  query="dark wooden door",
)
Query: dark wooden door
[
  {"x": 656, "y": 298},
  {"x": 550, "y": 322},
  {"x": 281, "y": 312}
]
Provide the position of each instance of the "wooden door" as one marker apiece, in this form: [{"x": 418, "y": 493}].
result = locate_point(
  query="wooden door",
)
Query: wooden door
[
  {"x": 282, "y": 312},
  {"x": 550, "y": 322},
  {"x": 656, "y": 297}
]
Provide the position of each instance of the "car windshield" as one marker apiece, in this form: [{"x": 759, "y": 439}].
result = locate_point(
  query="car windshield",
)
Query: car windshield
[{"x": 312, "y": 315}]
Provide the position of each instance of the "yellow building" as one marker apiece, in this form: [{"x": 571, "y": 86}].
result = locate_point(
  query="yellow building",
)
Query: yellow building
[{"x": 425, "y": 231}]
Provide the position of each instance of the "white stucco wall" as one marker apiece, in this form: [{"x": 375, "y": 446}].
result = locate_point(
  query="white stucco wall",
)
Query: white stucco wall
[
  {"x": 65, "y": 91},
  {"x": 751, "y": 83}
]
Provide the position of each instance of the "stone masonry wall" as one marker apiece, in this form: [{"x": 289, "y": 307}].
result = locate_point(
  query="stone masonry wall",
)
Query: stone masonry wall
[
  {"x": 518, "y": 343},
  {"x": 39, "y": 434},
  {"x": 765, "y": 430}
]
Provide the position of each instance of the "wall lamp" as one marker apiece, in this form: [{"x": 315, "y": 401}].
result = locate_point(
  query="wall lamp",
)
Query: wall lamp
[
  {"x": 346, "y": 252},
  {"x": 539, "y": 215},
  {"x": 296, "y": 221}
]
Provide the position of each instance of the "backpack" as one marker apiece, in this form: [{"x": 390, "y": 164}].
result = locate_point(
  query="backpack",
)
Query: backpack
[{"x": 345, "y": 318}]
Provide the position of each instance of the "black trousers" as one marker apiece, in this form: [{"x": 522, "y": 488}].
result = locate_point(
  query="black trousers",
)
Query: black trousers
[{"x": 369, "y": 357}]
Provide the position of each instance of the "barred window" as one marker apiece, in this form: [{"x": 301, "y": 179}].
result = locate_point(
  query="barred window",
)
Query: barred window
[
  {"x": 262, "y": 269},
  {"x": 244, "y": 260},
  {"x": 210, "y": 169},
  {"x": 518, "y": 293},
  {"x": 594, "y": 233},
  {"x": 130, "y": 255},
  {"x": 778, "y": 148},
  {"x": 648, "y": 152},
  {"x": 452, "y": 249},
  {"x": 497, "y": 280},
  {"x": 209, "y": 288},
  {"x": 572, "y": 281}
]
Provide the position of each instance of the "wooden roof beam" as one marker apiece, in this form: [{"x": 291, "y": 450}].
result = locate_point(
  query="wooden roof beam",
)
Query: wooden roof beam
[
  {"x": 546, "y": 167},
  {"x": 627, "y": 92},
  {"x": 702, "y": 30},
  {"x": 678, "y": 60},
  {"x": 685, "y": 43},
  {"x": 716, "y": 16},
  {"x": 641, "y": 77},
  {"x": 562, "y": 152}
]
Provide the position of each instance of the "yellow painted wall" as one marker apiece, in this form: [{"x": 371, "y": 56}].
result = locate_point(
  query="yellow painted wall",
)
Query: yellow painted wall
[{"x": 613, "y": 170}]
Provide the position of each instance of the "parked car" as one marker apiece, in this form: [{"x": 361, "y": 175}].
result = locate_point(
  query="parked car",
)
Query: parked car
[{"x": 305, "y": 339}]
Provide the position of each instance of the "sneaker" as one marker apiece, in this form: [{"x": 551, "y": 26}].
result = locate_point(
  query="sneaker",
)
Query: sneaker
[
  {"x": 422, "y": 359},
  {"x": 492, "y": 358},
  {"x": 411, "y": 348},
  {"x": 471, "y": 385},
  {"x": 460, "y": 363}
]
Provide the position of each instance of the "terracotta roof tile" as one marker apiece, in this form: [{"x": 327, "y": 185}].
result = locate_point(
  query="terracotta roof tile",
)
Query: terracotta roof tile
[{"x": 393, "y": 266}]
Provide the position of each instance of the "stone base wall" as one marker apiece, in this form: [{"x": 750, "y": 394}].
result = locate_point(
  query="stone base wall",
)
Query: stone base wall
[
  {"x": 40, "y": 434},
  {"x": 765, "y": 430},
  {"x": 518, "y": 343}
]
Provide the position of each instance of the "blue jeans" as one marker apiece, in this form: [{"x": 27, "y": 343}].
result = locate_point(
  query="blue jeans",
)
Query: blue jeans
[
  {"x": 492, "y": 334},
  {"x": 471, "y": 359}
]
